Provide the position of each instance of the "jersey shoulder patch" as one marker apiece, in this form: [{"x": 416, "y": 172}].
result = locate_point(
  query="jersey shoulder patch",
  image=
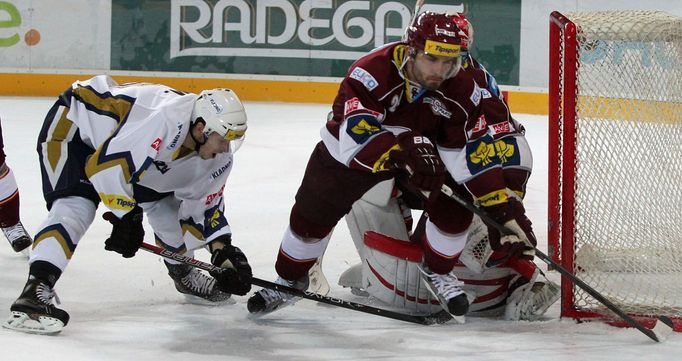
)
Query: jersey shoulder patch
[
  {"x": 479, "y": 93},
  {"x": 364, "y": 77}
]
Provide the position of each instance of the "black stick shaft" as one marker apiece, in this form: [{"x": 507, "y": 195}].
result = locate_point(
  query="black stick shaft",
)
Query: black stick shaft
[
  {"x": 564, "y": 272},
  {"x": 422, "y": 320}
]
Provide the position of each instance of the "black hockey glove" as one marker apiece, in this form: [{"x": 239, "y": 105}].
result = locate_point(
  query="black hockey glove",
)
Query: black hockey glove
[
  {"x": 236, "y": 275},
  {"x": 512, "y": 215},
  {"x": 418, "y": 157},
  {"x": 127, "y": 233}
]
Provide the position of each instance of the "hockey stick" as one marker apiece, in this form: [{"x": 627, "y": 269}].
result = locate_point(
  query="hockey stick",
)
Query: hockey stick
[
  {"x": 417, "y": 7},
  {"x": 421, "y": 320},
  {"x": 658, "y": 333},
  {"x": 318, "y": 281}
]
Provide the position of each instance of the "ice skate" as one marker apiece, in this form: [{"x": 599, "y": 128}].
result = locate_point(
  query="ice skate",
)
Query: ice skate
[
  {"x": 17, "y": 237},
  {"x": 266, "y": 300},
  {"x": 448, "y": 289},
  {"x": 33, "y": 311},
  {"x": 195, "y": 285}
]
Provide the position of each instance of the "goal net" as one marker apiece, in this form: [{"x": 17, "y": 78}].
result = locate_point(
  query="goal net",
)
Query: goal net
[{"x": 615, "y": 160}]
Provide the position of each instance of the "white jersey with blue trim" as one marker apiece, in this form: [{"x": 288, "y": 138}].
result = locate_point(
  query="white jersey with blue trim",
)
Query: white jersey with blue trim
[{"x": 138, "y": 130}]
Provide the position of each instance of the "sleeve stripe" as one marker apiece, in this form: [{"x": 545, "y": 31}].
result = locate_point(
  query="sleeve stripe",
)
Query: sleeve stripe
[
  {"x": 100, "y": 161},
  {"x": 117, "y": 107}
]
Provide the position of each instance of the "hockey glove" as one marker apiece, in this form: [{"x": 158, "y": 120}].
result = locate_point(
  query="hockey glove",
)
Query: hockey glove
[
  {"x": 236, "y": 275},
  {"x": 419, "y": 159},
  {"x": 127, "y": 233},
  {"x": 521, "y": 242}
]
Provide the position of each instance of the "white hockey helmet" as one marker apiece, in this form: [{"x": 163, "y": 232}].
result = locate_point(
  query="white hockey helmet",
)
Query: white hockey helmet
[{"x": 223, "y": 113}]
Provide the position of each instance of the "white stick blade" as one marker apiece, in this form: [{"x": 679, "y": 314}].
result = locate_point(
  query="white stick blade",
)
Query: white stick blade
[{"x": 663, "y": 328}]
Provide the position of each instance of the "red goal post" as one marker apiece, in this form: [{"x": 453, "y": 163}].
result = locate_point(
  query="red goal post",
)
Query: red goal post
[{"x": 615, "y": 160}]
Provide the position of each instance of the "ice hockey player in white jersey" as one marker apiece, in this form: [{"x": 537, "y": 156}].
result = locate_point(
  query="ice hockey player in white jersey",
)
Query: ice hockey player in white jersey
[{"x": 138, "y": 148}]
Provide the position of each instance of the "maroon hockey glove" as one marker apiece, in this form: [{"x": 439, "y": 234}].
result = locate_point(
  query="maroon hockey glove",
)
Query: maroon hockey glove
[
  {"x": 419, "y": 159},
  {"x": 236, "y": 275},
  {"x": 512, "y": 215},
  {"x": 127, "y": 233}
]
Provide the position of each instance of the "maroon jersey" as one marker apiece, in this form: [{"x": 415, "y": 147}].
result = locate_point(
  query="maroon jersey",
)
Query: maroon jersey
[
  {"x": 482, "y": 77},
  {"x": 509, "y": 136},
  {"x": 375, "y": 103},
  {"x": 2, "y": 146}
]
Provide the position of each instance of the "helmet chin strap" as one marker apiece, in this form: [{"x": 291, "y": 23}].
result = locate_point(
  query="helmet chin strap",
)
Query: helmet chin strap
[{"x": 410, "y": 85}]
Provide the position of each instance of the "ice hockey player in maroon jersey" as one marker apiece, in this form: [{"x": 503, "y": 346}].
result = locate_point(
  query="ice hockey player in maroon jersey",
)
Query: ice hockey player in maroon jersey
[
  {"x": 10, "y": 223},
  {"x": 406, "y": 111},
  {"x": 503, "y": 285}
]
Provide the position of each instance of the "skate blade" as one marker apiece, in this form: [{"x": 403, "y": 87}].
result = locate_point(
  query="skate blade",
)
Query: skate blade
[{"x": 41, "y": 325}]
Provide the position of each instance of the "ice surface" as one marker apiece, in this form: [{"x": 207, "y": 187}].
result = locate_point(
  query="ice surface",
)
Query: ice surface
[{"x": 128, "y": 309}]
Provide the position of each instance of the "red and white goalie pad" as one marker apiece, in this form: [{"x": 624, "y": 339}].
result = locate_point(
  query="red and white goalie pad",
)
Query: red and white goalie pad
[
  {"x": 390, "y": 274},
  {"x": 490, "y": 287}
]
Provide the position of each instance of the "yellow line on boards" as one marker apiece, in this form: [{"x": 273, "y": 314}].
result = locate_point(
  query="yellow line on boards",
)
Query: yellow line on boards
[
  {"x": 33, "y": 84},
  {"x": 527, "y": 102},
  {"x": 289, "y": 91}
]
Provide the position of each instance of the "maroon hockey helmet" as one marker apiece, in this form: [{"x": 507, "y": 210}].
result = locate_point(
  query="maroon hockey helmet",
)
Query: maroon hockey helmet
[
  {"x": 435, "y": 34},
  {"x": 467, "y": 30}
]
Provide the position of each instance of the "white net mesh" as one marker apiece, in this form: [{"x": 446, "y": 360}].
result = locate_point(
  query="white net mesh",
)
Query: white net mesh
[{"x": 628, "y": 205}]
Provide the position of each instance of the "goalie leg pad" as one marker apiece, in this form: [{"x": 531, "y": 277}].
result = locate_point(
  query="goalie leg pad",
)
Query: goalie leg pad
[
  {"x": 368, "y": 214},
  {"x": 390, "y": 273},
  {"x": 489, "y": 286},
  {"x": 393, "y": 279},
  {"x": 379, "y": 212}
]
